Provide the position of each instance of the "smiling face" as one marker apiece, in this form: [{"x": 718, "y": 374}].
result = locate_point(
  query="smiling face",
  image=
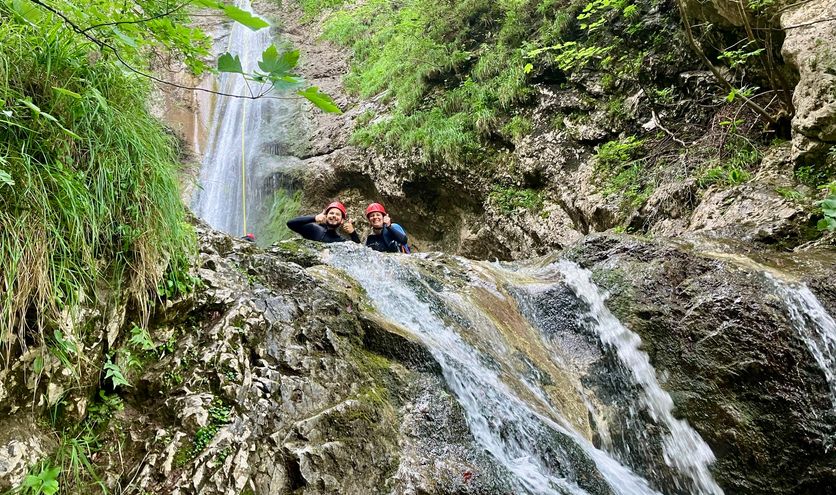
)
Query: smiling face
[
  {"x": 376, "y": 219},
  {"x": 333, "y": 218}
]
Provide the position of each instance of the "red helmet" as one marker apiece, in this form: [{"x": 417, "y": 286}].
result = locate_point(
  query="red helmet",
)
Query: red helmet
[
  {"x": 337, "y": 205},
  {"x": 375, "y": 207}
]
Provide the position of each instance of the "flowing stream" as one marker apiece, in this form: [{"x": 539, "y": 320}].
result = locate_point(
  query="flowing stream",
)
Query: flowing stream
[{"x": 532, "y": 353}]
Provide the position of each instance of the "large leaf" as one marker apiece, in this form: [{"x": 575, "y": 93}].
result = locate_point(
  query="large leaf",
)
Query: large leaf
[
  {"x": 278, "y": 65},
  {"x": 213, "y": 4},
  {"x": 829, "y": 204},
  {"x": 320, "y": 99},
  {"x": 245, "y": 18},
  {"x": 229, "y": 63},
  {"x": 826, "y": 223}
]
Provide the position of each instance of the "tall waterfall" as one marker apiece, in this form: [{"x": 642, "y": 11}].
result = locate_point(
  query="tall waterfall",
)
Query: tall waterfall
[
  {"x": 244, "y": 138},
  {"x": 524, "y": 351}
]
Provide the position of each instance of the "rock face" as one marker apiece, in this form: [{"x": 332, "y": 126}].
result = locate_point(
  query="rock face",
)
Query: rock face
[
  {"x": 808, "y": 47},
  {"x": 456, "y": 209},
  {"x": 734, "y": 363},
  {"x": 278, "y": 384},
  {"x": 276, "y": 376}
]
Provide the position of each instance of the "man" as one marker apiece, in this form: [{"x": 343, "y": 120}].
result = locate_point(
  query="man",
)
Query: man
[
  {"x": 386, "y": 236},
  {"x": 323, "y": 226}
]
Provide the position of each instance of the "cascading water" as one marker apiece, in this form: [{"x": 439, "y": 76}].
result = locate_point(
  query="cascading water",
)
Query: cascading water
[
  {"x": 523, "y": 391},
  {"x": 815, "y": 327},
  {"x": 246, "y": 139}
]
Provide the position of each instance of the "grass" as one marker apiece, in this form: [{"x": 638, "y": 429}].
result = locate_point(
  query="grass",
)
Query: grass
[
  {"x": 286, "y": 205},
  {"x": 88, "y": 195}
]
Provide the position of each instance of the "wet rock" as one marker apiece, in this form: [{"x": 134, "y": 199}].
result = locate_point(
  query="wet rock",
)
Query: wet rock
[{"x": 735, "y": 365}]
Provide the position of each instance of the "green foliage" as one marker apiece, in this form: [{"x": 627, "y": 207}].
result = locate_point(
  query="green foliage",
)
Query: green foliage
[
  {"x": 632, "y": 183},
  {"x": 44, "y": 482},
  {"x": 102, "y": 409},
  {"x": 286, "y": 205},
  {"x": 517, "y": 127},
  {"x": 97, "y": 204},
  {"x": 472, "y": 49},
  {"x": 219, "y": 415},
  {"x": 828, "y": 208},
  {"x": 724, "y": 175},
  {"x": 509, "y": 199},
  {"x": 177, "y": 279},
  {"x": 141, "y": 339},
  {"x": 615, "y": 153},
  {"x": 789, "y": 193},
  {"x": 114, "y": 373}
]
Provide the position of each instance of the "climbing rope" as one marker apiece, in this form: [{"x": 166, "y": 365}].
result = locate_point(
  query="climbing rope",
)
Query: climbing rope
[{"x": 243, "y": 169}]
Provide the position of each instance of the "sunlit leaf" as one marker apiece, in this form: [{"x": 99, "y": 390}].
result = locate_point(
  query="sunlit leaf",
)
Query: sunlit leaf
[
  {"x": 229, "y": 63},
  {"x": 246, "y": 18},
  {"x": 275, "y": 64},
  {"x": 320, "y": 99}
]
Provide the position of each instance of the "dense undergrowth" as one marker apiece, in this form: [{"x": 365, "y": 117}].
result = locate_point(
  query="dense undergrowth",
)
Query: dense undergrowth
[
  {"x": 88, "y": 197},
  {"x": 456, "y": 83},
  {"x": 460, "y": 74}
]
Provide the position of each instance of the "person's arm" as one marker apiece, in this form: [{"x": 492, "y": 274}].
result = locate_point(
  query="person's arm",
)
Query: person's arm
[
  {"x": 397, "y": 234},
  {"x": 354, "y": 237},
  {"x": 307, "y": 227}
]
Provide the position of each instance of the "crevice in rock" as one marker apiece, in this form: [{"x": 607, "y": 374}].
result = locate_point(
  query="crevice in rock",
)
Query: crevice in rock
[{"x": 294, "y": 473}]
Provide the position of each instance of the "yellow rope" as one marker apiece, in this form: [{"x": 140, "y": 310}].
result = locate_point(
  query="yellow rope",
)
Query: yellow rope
[{"x": 243, "y": 168}]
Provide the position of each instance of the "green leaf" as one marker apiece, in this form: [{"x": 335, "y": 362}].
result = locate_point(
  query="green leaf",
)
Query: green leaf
[
  {"x": 276, "y": 65},
  {"x": 40, "y": 113},
  {"x": 124, "y": 37},
  {"x": 286, "y": 82},
  {"x": 246, "y": 18},
  {"x": 829, "y": 204},
  {"x": 115, "y": 374},
  {"x": 826, "y": 223},
  {"x": 6, "y": 178},
  {"x": 320, "y": 99},
  {"x": 229, "y": 63},
  {"x": 213, "y": 4},
  {"x": 67, "y": 92}
]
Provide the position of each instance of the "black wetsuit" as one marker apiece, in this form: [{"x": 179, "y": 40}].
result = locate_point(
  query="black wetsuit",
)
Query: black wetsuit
[
  {"x": 389, "y": 240},
  {"x": 308, "y": 228}
]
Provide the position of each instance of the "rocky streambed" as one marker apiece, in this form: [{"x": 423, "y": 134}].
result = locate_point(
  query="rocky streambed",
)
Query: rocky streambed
[{"x": 314, "y": 369}]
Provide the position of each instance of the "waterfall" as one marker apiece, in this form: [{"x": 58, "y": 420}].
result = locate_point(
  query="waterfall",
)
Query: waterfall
[
  {"x": 519, "y": 372},
  {"x": 814, "y": 326},
  {"x": 245, "y": 135}
]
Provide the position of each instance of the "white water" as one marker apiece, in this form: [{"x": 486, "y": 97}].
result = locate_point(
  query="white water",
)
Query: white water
[
  {"x": 683, "y": 448},
  {"x": 814, "y": 325},
  {"x": 512, "y": 428},
  {"x": 242, "y": 133}
]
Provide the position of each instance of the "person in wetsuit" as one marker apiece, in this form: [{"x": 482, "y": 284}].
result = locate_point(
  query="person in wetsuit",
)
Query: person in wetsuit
[
  {"x": 386, "y": 236},
  {"x": 323, "y": 227}
]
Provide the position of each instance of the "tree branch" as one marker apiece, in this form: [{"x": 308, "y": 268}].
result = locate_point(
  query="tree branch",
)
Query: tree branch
[
  {"x": 137, "y": 21},
  {"x": 103, "y": 44},
  {"x": 690, "y": 35}
]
